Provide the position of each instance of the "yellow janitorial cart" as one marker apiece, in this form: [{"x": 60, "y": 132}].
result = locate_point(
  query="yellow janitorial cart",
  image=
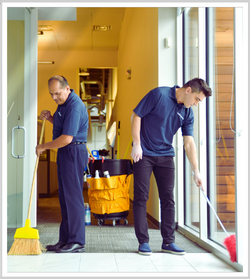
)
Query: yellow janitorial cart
[{"x": 108, "y": 190}]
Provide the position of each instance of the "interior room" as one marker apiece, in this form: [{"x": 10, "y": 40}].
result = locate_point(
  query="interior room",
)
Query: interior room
[{"x": 112, "y": 57}]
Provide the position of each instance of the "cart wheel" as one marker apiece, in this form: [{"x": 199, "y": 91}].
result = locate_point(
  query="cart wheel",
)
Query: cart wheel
[
  {"x": 125, "y": 221},
  {"x": 100, "y": 222},
  {"x": 113, "y": 223},
  {"x": 118, "y": 221}
]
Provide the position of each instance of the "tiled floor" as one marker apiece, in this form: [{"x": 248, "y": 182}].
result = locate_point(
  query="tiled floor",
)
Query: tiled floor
[{"x": 103, "y": 263}]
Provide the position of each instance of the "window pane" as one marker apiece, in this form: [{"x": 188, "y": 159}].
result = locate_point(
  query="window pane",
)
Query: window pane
[
  {"x": 221, "y": 122},
  {"x": 191, "y": 71}
]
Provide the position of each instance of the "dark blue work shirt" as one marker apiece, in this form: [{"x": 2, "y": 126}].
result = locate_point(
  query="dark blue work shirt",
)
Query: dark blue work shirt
[
  {"x": 161, "y": 117},
  {"x": 71, "y": 118}
]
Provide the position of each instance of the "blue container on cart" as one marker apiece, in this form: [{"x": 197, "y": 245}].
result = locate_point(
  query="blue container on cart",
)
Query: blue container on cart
[{"x": 95, "y": 154}]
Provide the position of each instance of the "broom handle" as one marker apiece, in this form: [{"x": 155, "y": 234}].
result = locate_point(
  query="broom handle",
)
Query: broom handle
[
  {"x": 89, "y": 151},
  {"x": 34, "y": 175},
  {"x": 214, "y": 212}
]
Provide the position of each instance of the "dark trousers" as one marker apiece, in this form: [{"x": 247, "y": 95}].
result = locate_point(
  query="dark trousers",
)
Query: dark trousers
[
  {"x": 164, "y": 171},
  {"x": 71, "y": 161}
]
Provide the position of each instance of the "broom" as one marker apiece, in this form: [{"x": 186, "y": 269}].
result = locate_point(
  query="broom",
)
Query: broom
[
  {"x": 229, "y": 241},
  {"x": 27, "y": 239}
]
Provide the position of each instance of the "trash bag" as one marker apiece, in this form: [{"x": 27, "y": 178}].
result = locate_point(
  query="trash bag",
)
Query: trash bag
[{"x": 109, "y": 195}]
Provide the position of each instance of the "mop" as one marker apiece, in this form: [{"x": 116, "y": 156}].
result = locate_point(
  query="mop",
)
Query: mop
[
  {"x": 229, "y": 241},
  {"x": 27, "y": 239}
]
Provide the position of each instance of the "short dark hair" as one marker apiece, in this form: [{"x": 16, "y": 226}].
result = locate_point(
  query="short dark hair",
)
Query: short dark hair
[
  {"x": 199, "y": 85},
  {"x": 62, "y": 81}
]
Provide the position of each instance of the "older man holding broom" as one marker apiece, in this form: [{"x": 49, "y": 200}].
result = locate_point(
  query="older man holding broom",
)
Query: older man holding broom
[{"x": 70, "y": 127}]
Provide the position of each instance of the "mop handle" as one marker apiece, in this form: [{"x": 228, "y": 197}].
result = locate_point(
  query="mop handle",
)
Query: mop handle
[{"x": 214, "y": 212}]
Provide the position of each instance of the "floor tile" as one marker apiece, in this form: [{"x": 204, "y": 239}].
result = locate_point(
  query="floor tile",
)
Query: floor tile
[
  {"x": 61, "y": 263},
  {"x": 168, "y": 259},
  {"x": 208, "y": 263},
  {"x": 175, "y": 268},
  {"x": 134, "y": 262},
  {"x": 102, "y": 262},
  {"x": 29, "y": 263}
]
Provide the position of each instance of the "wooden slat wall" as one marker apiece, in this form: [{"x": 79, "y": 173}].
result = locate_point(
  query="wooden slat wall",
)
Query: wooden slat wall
[{"x": 225, "y": 171}]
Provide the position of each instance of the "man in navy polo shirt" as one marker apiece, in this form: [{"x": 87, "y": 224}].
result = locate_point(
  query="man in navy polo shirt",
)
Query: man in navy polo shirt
[
  {"x": 70, "y": 128},
  {"x": 154, "y": 122}
]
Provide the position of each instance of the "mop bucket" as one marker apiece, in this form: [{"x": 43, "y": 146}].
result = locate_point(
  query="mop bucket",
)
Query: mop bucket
[{"x": 109, "y": 197}]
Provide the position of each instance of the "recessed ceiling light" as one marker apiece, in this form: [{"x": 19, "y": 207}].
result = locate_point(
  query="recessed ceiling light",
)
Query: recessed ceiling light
[
  {"x": 102, "y": 27},
  {"x": 45, "y": 28}
]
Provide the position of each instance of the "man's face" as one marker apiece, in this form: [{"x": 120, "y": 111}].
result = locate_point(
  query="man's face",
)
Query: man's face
[
  {"x": 59, "y": 95},
  {"x": 192, "y": 99}
]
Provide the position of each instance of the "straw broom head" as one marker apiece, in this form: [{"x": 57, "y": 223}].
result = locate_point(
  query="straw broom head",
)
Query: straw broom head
[{"x": 26, "y": 246}]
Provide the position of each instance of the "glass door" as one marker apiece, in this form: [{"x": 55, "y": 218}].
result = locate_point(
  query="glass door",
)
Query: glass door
[
  {"x": 15, "y": 120},
  {"x": 21, "y": 87}
]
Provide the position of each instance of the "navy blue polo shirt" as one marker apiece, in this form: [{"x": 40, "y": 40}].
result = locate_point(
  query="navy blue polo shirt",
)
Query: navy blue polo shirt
[
  {"x": 161, "y": 117},
  {"x": 71, "y": 118}
]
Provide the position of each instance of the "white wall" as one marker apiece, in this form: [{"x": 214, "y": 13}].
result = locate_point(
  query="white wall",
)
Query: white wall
[
  {"x": 167, "y": 76},
  {"x": 99, "y": 137}
]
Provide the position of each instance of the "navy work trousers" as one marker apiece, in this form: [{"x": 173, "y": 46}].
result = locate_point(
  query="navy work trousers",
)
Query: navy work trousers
[
  {"x": 71, "y": 162},
  {"x": 164, "y": 171}
]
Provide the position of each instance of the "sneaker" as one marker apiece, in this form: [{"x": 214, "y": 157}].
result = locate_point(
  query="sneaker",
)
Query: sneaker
[
  {"x": 172, "y": 248},
  {"x": 144, "y": 249}
]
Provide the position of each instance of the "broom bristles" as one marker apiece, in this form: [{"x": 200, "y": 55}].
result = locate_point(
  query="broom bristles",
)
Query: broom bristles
[
  {"x": 26, "y": 246},
  {"x": 230, "y": 243}
]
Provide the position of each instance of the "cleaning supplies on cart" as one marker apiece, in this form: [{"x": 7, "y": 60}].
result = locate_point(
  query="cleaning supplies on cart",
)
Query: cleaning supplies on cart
[
  {"x": 87, "y": 215},
  {"x": 97, "y": 174},
  {"x": 106, "y": 174}
]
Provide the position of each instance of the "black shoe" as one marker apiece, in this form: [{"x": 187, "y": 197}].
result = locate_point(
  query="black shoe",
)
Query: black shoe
[
  {"x": 58, "y": 245},
  {"x": 71, "y": 248}
]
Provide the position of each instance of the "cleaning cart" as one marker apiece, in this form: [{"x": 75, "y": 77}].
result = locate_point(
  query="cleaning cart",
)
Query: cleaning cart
[{"x": 108, "y": 190}]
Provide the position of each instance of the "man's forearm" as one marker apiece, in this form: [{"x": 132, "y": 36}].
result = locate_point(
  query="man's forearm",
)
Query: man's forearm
[
  {"x": 190, "y": 150},
  {"x": 50, "y": 119},
  {"x": 61, "y": 141},
  {"x": 135, "y": 128}
]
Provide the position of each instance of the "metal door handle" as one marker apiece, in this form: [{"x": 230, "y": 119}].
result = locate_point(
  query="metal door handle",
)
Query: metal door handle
[{"x": 13, "y": 142}]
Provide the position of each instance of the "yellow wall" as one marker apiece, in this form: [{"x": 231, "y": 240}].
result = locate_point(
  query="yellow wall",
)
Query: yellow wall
[{"x": 138, "y": 50}]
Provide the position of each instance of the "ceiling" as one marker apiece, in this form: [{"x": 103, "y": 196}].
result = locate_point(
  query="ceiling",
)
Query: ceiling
[
  {"x": 79, "y": 35},
  {"x": 76, "y": 33}
]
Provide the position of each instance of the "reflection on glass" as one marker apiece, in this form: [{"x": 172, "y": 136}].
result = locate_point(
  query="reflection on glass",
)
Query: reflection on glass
[{"x": 221, "y": 134}]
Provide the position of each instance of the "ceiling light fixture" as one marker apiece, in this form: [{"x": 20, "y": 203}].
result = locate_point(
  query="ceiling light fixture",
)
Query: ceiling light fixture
[
  {"x": 45, "y": 28},
  {"x": 46, "y": 62},
  {"x": 102, "y": 28},
  {"x": 84, "y": 74}
]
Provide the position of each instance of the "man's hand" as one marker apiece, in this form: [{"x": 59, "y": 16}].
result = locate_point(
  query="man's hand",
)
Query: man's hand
[
  {"x": 39, "y": 149},
  {"x": 198, "y": 180},
  {"x": 136, "y": 153},
  {"x": 45, "y": 114}
]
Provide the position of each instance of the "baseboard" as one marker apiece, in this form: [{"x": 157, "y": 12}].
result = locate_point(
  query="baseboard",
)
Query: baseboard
[{"x": 156, "y": 223}]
